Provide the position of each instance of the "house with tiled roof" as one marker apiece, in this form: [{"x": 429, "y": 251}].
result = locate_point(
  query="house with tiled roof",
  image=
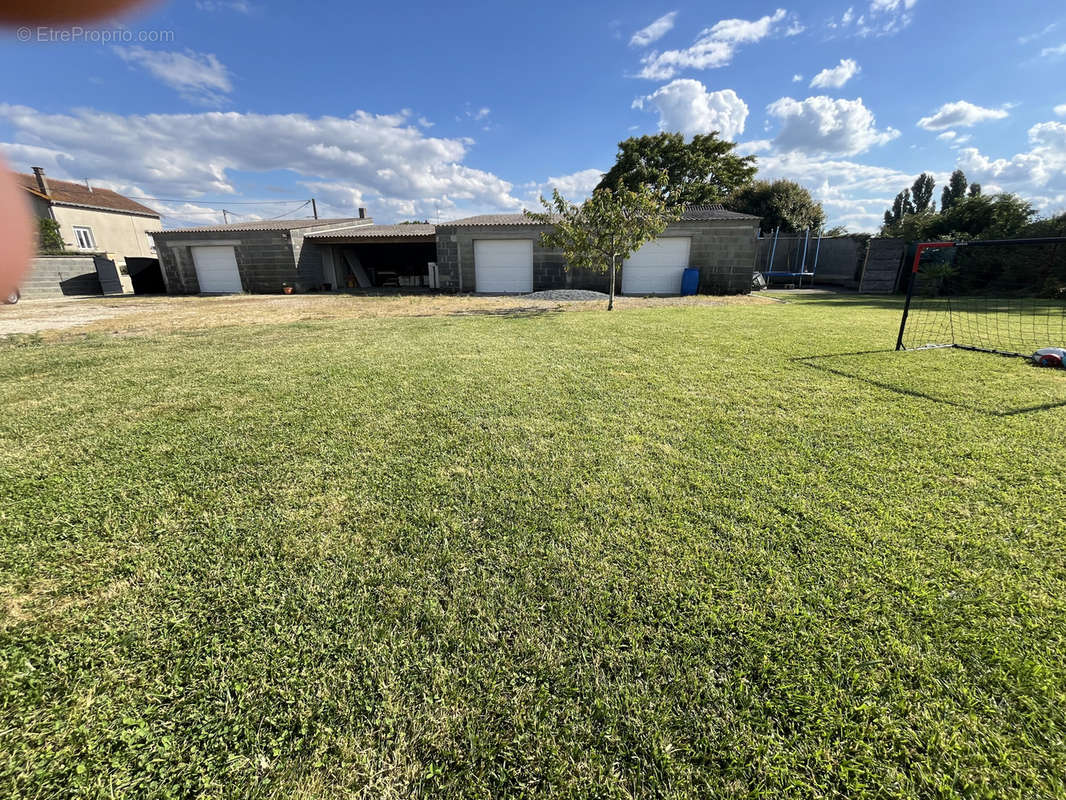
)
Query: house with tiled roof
[{"x": 92, "y": 219}]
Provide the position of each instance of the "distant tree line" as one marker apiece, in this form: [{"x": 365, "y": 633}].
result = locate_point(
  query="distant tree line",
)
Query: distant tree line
[{"x": 965, "y": 213}]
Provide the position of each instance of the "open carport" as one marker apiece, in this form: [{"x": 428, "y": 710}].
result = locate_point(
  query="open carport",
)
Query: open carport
[{"x": 378, "y": 256}]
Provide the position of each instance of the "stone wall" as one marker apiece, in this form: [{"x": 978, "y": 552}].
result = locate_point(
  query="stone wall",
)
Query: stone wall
[{"x": 724, "y": 252}]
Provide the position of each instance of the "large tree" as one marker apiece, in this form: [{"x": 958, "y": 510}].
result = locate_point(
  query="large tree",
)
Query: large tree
[
  {"x": 703, "y": 170},
  {"x": 997, "y": 216},
  {"x": 780, "y": 203},
  {"x": 922, "y": 193},
  {"x": 954, "y": 191},
  {"x": 603, "y": 231}
]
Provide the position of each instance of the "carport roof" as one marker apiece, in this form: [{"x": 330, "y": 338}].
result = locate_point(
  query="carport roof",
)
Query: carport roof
[
  {"x": 411, "y": 232},
  {"x": 270, "y": 225}
]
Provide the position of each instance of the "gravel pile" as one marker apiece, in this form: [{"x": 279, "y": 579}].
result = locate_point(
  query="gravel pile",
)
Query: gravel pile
[{"x": 567, "y": 294}]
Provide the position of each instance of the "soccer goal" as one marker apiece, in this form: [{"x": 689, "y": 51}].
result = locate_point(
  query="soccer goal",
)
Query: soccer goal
[{"x": 1003, "y": 296}]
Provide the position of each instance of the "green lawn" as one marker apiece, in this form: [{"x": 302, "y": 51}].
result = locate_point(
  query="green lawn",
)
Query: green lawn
[{"x": 652, "y": 553}]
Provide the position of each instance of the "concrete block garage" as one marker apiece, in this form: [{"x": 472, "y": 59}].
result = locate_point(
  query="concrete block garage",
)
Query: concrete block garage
[{"x": 490, "y": 254}]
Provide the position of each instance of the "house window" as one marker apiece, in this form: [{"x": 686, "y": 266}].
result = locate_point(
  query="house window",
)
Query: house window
[
  {"x": 151, "y": 243},
  {"x": 85, "y": 238}
]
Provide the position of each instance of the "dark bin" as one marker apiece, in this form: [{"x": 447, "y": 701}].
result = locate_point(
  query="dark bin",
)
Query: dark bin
[{"x": 690, "y": 281}]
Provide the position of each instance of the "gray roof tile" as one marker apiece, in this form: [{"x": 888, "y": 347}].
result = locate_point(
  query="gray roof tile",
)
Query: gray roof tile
[
  {"x": 271, "y": 225},
  {"x": 712, "y": 211},
  {"x": 412, "y": 230}
]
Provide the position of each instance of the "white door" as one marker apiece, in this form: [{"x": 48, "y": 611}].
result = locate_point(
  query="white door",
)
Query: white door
[
  {"x": 216, "y": 270},
  {"x": 656, "y": 267},
  {"x": 503, "y": 265}
]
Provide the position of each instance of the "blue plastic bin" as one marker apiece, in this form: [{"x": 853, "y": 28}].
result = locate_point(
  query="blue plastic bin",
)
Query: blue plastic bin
[{"x": 690, "y": 281}]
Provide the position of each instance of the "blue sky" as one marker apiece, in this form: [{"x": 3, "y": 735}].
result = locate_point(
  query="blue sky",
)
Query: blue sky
[{"x": 420, "y": 111}]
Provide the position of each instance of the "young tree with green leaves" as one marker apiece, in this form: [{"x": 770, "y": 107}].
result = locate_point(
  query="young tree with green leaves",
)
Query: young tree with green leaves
[
  {"x": 703, "y": 170},
  {"x": 780, "y": 203},
  {"x": 603, "y": 231}
]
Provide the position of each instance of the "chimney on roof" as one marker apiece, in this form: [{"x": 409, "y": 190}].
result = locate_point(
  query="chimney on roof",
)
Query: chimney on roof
[
  {"x": 362, "y": 213},
  {"x": 88, "y": 186},
  {"x": 42, "y": 181}
]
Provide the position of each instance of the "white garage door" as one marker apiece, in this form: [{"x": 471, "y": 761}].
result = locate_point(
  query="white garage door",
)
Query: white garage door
[
  {"x": 503, "y": 265},
  {"x": 656, "y": 267},
  {"x": 216, "y": 269}
]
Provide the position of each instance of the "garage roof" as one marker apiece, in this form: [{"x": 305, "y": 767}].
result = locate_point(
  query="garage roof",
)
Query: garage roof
[
  {"x": 411, "y": 232},
  {"x": 710, "y": 211},
  {"x": 491, "y": 219},
  {"x": 713, "y": 211},
  {"x": 271, "y": 225}
]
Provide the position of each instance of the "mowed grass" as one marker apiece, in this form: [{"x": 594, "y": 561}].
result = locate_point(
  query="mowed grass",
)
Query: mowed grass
[{"x": 660, "y": 552}]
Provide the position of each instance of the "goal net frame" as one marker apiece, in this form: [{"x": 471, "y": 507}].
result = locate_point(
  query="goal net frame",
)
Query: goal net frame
[{"x": 922, "y": 248}]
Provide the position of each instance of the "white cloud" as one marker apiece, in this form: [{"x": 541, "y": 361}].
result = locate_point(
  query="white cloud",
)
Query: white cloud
[
  {"x": 199, "y": 77},
  {"x": 960, "y": 113},
  {"x": 381, "y": 157},
  {"x": 655, "y": 31},
  {"x": 947, "y": 136},
  {"x": 685, "y": 105},
  {"x": 852, "y": 193},
  {"x": 797, "y": 78},
  {"x": 239, "y": 6},
  {"x": 835, "y": 77},
  {"x": 745, "y": 31},
  {"x": 1061, "y": 110},
  {"x": 1039, "y": 34},
  {"x": 1054, "y": 52},
  {"x": 575, "y": 187},
  {"x": 714, "y": 47},
  {"x": 823, "y": 125},
  {"x": 1038, "y": 173},
  {"x": 885, "y": 17}
]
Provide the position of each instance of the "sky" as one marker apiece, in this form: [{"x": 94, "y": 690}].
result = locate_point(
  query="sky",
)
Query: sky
[{"x": 421, "y": 111}]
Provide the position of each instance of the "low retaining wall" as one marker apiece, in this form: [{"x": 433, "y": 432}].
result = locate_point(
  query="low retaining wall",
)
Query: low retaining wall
[{"x": 70, "y": 275}]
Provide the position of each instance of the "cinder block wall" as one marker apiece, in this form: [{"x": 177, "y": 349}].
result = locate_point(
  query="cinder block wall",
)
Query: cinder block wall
[
  {"x": 723, "y": 251},
  {"x": 265, "y": 259},
  {"x": 59, "y": 276},
  {"x": 456, "y": 258}
]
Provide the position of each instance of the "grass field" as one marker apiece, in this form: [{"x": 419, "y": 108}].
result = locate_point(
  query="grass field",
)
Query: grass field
[{"x": 661, "y": 552}]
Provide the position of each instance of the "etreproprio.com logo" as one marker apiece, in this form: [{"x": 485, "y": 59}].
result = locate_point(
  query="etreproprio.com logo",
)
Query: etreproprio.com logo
[{"x": 92, "y": 35}]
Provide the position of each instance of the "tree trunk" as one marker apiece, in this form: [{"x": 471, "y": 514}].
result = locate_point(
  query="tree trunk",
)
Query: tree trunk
[{"x": 610, "y": 300}]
